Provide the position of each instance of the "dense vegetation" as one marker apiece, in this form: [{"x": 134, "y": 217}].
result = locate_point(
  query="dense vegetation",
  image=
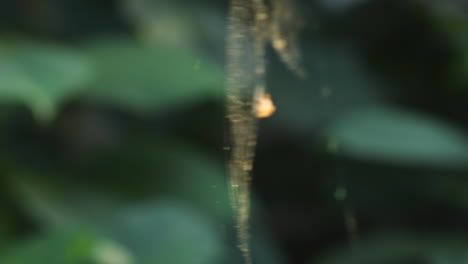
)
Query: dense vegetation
[{"x": 111, "y": 139}]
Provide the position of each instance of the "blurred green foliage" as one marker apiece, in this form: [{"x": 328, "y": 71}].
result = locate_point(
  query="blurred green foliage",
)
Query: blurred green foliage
[
  {"x": 164, "y": 77},
  {"x": 111, "y": 139},
  {"x": 41, "y": 75}
]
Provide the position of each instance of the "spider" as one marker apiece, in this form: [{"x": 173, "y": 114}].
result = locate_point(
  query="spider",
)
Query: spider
[{"x": 265, "y": 106}]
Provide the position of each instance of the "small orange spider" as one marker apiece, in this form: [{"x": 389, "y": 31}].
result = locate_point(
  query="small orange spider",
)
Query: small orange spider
[{"x": 265, "y": 107}]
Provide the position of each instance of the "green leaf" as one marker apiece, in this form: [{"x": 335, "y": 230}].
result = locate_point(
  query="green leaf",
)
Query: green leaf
[
  {"x": 58, "y": 247},
  {"x": 167, "y": 232},
  {"x": 61, "y": 205},
  {"x": 162, "y": 231},
  {"x": 41, "y": 76},
  {"x": 143, "y": 79},
  {"x": 140, "y": 169},
  {"x": 386, "y": 134}
]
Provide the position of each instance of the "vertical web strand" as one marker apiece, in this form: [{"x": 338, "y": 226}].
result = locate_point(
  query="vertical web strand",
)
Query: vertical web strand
[
  {"x": 252, "y": 25},
  {"x": 239, "y": 87}
]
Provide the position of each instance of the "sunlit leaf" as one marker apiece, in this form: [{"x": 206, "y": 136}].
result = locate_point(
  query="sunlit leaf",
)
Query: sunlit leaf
[
  {"x": 60, "y": 247},
  {"x": 41, "y": 76},
  {"x": 154, "y": 232},
  {"x": 143, "y": 79}
]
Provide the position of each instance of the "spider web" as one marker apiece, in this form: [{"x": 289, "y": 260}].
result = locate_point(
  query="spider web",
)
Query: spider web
[{"x": 252, "y": 25}]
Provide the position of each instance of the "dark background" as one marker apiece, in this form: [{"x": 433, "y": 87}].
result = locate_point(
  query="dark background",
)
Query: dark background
[{"x": 112, "y": 132}]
